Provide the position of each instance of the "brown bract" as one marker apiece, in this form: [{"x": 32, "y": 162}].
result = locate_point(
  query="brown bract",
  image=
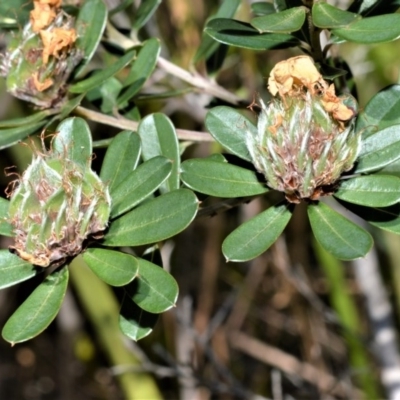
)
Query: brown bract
[{"x": 56, "y": 41}]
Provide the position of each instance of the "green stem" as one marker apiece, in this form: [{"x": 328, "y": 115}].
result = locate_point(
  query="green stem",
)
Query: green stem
[{"x": 102, "y": 309}]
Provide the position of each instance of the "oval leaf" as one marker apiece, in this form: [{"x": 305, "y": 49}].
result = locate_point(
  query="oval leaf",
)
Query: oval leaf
[
  {"x": 146, "y": 9},
  {"x": 262, "y": 8},
  {"x": 382, "y": 28},
  {"x": 141, "y": 69},
  {"x": 113, "y": 267},
  {"x": 229, "y": 127},
  {"x": 287, "y": 21},
  {"x": 255, "y": 236},
  {"x": 26, "y": 121},
  {"x": 241, "y": 34},
  {"x": 336, "y": 234},
  {"x": 154, "y": 290},
  {"x": 36, "y": 313},
  {"x": 90, "y": 24},
  {"x": 208, "y": 46},
  {"x": 326, "y": 16},
  {"x": 140, "y": 184},
  {"x": 14, "y": 269},
  {"x": 386, "y": 218},
  {"x": 158, "y": 137},
  {"x": 135, "y": 322},
  {"x": 99, "y": 77},
  {"x": 156, "y": 220},
  {"x": 380, "y": 149},
  {"x": 121, "y": 158},
  {"x": 74, "y": 141},
  {"x": 382, "y": 111},
  {"x": 220, "y": 179},
  {"x": 371, "y": 191}
]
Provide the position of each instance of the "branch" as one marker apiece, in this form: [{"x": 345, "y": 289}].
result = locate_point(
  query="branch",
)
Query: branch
[
  {"x": 204, "y": 84},
  {"x": 200, "y": 82},
  {"x": 124, "y": 123}
]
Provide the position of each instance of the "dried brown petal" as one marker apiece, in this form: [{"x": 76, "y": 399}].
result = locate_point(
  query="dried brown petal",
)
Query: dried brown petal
[
  {"x": 41, "y": 16},
  {"x": 41, "y": 86},
  {"x": 294, "y": 75},
  {"x": 55, "y": 41},
  {"x": 334, "y": 105}
]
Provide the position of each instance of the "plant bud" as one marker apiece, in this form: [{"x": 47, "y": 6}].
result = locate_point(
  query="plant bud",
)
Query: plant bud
[
  {"x": 305, "y": 136},
  {"x": 56, "y": 206}
]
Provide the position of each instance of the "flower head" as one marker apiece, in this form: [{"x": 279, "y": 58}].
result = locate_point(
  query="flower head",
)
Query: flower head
[{"x": 305, "y": 138}]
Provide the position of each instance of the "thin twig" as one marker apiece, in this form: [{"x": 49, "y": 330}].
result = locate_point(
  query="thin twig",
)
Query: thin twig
[
  {"x": 124, "y": 123},
  {"x": 198, "y": 81},
  {"x": 289, "y": 364}
]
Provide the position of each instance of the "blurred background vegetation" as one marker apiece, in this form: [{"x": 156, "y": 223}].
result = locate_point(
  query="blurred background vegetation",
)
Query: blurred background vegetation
[{"x": 291, "y": 324}]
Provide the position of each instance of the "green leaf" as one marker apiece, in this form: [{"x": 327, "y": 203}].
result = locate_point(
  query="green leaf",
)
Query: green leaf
[
  {"x": 379, "y": 149},
  {"x": 220, "y": 179},
  {"x": 287, "y": 21},
  {"x": 326, "y": 16},
  {"x": 99, "y": 77},
  {"x": 14, "y": 269},
  {"x": 262, "y": 8},
  {"x": 382, "y": 111},
  {"x": 281, "y": 5},
  {"x": 208, "y": 46},
  {"x": 140, "y": 184},
  {"x": 336, "y": 234},
  {"x": 90, "y": 24},
  {"x": 386, "y": 218},
  {"x": 109, "y": 92},
  {"x": 36, "y": 313},
  {"x": 156, "y": 220},
  {"x": 371, "y": 190},
  {"x": 74, "y": 141},
  {"x": 374, "y": 7},
  {"x": 6, "y": 229},
  {"x": 120, "y": 7},
  {"x": 30, "y": 119},
  {"x": 158, "y": 137},
  {"x": 135, "y": 322},
  {"x": 113, "y": 267},
  {"x": 229, "y": 127},
  {"x": 141, "y": 69},
  {"x": 121, "y": 158},
  {"x": 241, "y": 34},
  {"x": 10, "y": 136},
  {"x": 379, "y": 29},
  {"x": 146, "y": 9},
  {"x": 255, "y": 236},
  {"x": 154, "y": 290}
]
